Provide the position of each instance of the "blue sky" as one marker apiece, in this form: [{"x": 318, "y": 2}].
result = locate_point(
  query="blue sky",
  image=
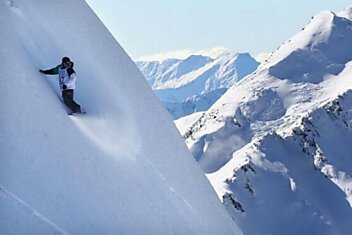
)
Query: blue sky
[{"x": 145, "y": 27}]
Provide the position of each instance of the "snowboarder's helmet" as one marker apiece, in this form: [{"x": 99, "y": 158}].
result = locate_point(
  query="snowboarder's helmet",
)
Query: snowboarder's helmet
[{"x": 65, "y": 60}]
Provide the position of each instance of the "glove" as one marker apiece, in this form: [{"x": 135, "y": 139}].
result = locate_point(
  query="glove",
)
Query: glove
[{"x": 64, "y": 87}]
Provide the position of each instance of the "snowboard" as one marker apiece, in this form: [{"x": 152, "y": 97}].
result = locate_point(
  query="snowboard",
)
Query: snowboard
[
  {"x": 78, "y": 114},
  {"x": 69, "y": 111}
]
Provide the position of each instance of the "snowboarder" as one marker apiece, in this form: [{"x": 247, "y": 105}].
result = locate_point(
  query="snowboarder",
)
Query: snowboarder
[{"x": 67, "y": 82}]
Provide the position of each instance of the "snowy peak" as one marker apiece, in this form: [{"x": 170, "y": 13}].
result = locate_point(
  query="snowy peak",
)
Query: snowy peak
[
  {"x": 188, "y": 65},
  {"x": 323, "y": 47},
  {"x": 287, "y": 124},
  {"x": 277, "y": 94},
  {"x": 170, "y": 69},
  {"x": 243, "y": 63}
]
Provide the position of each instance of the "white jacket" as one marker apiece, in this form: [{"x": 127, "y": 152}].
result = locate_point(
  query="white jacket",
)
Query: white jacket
[{"x": 65, "y": 79}]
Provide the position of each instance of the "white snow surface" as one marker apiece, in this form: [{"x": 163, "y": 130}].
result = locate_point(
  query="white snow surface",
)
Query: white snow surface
[
  {"x": 120, "y": 169},
  {"x": 277, "y": 145}
]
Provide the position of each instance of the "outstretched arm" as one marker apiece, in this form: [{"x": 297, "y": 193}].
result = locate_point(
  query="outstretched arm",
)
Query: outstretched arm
[{"x": 52, "y": 71}]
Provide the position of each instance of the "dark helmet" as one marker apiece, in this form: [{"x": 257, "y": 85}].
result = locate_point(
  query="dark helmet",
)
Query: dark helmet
[{"x": 65, "y": 60}]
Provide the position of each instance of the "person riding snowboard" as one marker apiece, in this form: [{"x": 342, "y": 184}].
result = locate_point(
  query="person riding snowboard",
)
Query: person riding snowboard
[{"x": 67, "y": 82}]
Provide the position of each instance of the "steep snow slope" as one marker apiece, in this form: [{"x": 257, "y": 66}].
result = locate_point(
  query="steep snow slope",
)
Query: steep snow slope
[
  {"x": 120, "y": 169},
  {"x": 249, "y": 137},
  {"x": 195, "y": 83}
]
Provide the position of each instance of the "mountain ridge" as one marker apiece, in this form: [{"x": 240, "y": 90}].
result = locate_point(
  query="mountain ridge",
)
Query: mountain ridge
[
  {"x": 188, "y": 85},
  {"x": 250, "y": 148}
]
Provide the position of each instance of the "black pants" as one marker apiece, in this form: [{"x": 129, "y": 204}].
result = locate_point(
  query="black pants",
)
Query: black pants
[{"x": 67, "y": 96}]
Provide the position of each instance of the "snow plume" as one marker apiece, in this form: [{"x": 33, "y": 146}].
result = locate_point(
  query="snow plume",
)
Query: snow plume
[{"x": 122, "y": 168}]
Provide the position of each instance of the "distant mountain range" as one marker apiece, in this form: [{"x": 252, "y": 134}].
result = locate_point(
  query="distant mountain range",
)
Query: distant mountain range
[
  {"x": 193, "y": 84},
  {"x": 277, "y": 145}
]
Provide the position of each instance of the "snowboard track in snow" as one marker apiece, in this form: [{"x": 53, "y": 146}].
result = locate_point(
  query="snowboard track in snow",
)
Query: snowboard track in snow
[{"x": 6, "y": 193}]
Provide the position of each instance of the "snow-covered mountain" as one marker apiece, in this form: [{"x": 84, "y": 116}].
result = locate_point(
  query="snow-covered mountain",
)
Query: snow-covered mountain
[
  {"x": 193, "y": 84},
  {"x": 120, "y": 169},
  {"x": 277, "y": 145}
]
